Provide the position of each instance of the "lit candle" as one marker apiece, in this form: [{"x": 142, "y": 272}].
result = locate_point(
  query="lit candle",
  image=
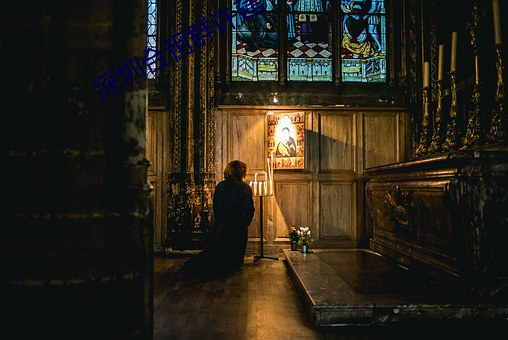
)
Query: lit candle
[
  {"x": 453, "y": 61},
  {"x": 265, "y": 191},
  {"x": 426, "y": 74},
  {"x": 260, "y": 188},
  {"x": 497, "y": 22},
  {"x": 440, "y": 62},
  {"x": 255, "y": 177}
]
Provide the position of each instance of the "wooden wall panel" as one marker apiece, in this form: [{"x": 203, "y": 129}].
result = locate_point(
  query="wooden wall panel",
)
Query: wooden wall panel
[
  {"x": 156, "y": 140},
  {"x": 247, "y": 140},
  {"x": 336, "y": 142},
  {"x": 254, "y": 225},
  {"x": 336, "y": 210},
  {"x": 293, "y": 207},
  {"x": 151, "y": 141},
  {"x": 380, "y": 139},
  {"x": 327, "y": 195}
]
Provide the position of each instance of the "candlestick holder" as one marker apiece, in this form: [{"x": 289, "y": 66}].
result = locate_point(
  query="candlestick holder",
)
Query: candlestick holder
[
  {"x": 435, "y": 145},
  {"x": 497, "y": 133},
  {"x": 422, "y": 146},
  {"x": 472, "y": 136},
  {"x": 450, "y": 142}
]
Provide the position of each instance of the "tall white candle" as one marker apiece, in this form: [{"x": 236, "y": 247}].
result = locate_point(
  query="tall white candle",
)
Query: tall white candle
[
  {"x": 453, "y": 60},
  {"x": 440, "y": 62},
  {"x": 426, "y": 74},
  {"x": 271, "y": 175},
  {"x": 269, "y": 171},
  {"x": 497, "y": 22},
  {"x": 255, "y": 177}
]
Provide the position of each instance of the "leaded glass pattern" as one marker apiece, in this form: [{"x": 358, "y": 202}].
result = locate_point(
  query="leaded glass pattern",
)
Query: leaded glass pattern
[
  {"x": 254, "y": 43},
  {"x": 363, "y": 41},
  {"x": 309, "y": 35},
  {"x": 310, "y": 26},
  {"x": 151, "y": 32}
]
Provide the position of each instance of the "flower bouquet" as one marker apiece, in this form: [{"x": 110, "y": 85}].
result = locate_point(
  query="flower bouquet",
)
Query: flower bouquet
[
  {"x": 305, "y": 238},
  {"x": 294, "y": 238}
]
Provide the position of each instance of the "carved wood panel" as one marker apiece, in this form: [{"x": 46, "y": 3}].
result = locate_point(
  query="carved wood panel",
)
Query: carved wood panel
[
  {"x": 151, "y": 141},
  {"x": 156, "y": 139},
  {"x": 324, "y": 196},
  {"x": 380, "y": 139},
  {"x": 292, "y": 207},
  {"x": 337, "y": 142},
  {"x": 247, "y": 140},
  {"x": 254, "y": 226},
  {"x": 337, "y": 210}
]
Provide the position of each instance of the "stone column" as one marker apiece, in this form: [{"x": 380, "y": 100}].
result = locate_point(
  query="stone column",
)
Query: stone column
[{"x": 75, "y": 241}]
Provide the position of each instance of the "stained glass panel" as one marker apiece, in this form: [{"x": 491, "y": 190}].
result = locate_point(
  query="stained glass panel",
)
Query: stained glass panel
[
  {"x": 151, "y": 32},
  {"x": 309, "y": 27},
  {"x": 254, "y": 43},
  {"x": 363, "y": 41}
]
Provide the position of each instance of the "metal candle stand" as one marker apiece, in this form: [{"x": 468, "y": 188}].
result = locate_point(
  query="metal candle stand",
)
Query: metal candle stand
[
  {"x": 262, "y": 253},
  {"x": 435, "y": 145},
  {"x": 472, "y": 135},
  {"x": 497, "y": 128},
  {"x": 450, "y": 142},
  {"x": 422, "y": 147},
  {"x": 263, "y": 188}
]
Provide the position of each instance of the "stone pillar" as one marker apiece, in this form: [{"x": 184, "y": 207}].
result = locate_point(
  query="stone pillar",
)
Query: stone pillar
[{"x": 75, "y": 241}]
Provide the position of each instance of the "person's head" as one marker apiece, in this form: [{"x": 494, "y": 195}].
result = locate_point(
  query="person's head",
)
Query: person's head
[{"x": 235, "y": 170}]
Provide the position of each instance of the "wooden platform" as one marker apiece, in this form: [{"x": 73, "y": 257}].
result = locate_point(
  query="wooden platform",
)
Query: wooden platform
[{"x": 358, "y": 287}]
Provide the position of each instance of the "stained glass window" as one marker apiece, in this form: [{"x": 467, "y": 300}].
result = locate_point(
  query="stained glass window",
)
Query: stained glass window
[
  {"x": 359, "y": 49},
  {"x": 309, "y": 40},
  {"x": 151, "y": 32},
  {"x": 363, "y": 41},
  {"x": 255, "y": 43}
]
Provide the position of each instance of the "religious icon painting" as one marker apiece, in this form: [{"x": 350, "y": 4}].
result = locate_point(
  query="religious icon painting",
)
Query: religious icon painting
[{"x": 286, "y": 140}]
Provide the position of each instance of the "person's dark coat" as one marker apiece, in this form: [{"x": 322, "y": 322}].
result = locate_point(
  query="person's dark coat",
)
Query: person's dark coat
[{"x": 233, "y": 208}]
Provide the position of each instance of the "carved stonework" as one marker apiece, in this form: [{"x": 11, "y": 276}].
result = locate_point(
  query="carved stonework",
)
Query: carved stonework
[
  {"x": 446, "y": 216},
  {"x": 401, "y": 207},
  {"x": 481, "y": 193}
]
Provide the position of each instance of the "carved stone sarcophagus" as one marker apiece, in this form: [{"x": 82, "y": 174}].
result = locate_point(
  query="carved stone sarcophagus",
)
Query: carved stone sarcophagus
[{"x": 445, "y": 216}]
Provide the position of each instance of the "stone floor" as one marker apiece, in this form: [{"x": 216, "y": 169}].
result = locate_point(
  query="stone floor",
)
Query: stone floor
[{"x": 359, "y": 287}]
